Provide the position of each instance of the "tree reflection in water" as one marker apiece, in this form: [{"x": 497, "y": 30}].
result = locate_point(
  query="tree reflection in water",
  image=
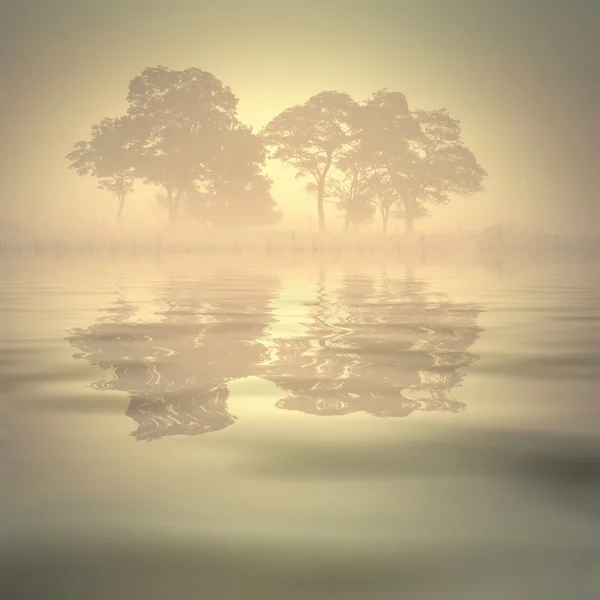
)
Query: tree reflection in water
[
  {"x": 386, "y": 347},
  {"x": 175, "y": 370}
]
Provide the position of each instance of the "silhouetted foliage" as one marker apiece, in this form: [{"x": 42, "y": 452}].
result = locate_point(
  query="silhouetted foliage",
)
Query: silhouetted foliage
[
  {"x": 442, "y": 165},
  {"x": 183, "y": 117},
  {"x": 353, "y": 195},
  {"x": 352, "y": 188},
  {"x": 310, "y": 137},
  {"x": 382, "y": 128},
  {"x": 185, "y": 137},
  {"x": 238, "y": 194},
  {"x": 418, "y": 158},
  {"x": 383, "y": 195},
  {"x": 109, "y": 156},
  {"x": 181, "y": 133},
  {"x": 378, "y": 156}
]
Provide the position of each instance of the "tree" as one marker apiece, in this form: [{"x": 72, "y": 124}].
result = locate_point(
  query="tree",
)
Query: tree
[
  {"x": 363, "y": 190},
  {"x": 441, "y": 166},
  {"x": 419, "y": 156},
  {"x": 384, "y": 130},
  {"x": 421, "y": 212},
  {"x": 109, "y": 156},
  {"x": 183, "y": 135},
  {"x": 352, "y": 199},
  {"x": 239, "y": 193},
  {"x": 311, "y": 137},
  {"x": 183, "y": 117},
  {"x": 384, "y": 197},
  {"x": 352, "y": 190}
]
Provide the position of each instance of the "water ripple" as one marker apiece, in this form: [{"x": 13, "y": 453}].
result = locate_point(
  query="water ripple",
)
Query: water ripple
[{"x": 386, "y": 348}]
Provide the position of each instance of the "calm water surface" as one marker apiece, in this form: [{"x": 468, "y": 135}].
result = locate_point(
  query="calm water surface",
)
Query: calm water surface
[{"x": 179, "y": 429}]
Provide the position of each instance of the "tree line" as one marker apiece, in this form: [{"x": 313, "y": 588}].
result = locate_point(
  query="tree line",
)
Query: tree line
[{"x": 181, "y": 133}]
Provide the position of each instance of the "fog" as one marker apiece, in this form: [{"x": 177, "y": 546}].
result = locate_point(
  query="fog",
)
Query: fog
[
  {"x": 353, "y": 243},
  {"x": 520, "y": 78}
]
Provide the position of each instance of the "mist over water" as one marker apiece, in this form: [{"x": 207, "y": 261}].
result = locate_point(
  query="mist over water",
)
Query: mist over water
[
  {"x": 300, "y": 428},
  {"x": 299, "y": 300}
]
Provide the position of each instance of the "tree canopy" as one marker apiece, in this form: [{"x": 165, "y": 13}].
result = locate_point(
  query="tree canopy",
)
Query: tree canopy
[
  {"x": 109, "y": 156},
  {"x": 311, "y": 137},
  {"x": 181, "y": 133},
  {"x": 186, "y": 138},
  {"x": 377, "y": 156}
]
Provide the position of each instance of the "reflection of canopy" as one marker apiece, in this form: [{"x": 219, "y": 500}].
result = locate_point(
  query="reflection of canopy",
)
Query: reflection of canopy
[
  {"x": 175, "y": 370},
  {"x": 180, "y": 414},
  {"x": 386, "y": 352},
  {"x": 385, "y": 348}
]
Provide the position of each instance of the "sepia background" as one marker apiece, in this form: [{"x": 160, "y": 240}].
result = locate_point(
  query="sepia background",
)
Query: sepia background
[
  {"x": 303, "y": 418},
  {"x": 522, "y": 77}
]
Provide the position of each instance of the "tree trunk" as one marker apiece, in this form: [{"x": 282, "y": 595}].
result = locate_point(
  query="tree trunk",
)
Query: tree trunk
[
  {"x": 410, "y": 210},
  {"x": 120, "y": 211},
  {"x": 384, "y": 222},
  {"x": 321, "y": 195},
  {"x": 173, "y": 205},
  {"x": 321, "y": 205},
  {"x": 172, "y": 214}
]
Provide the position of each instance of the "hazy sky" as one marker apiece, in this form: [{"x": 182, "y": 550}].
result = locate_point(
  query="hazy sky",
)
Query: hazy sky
[{"x": 521, "y": 75}]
